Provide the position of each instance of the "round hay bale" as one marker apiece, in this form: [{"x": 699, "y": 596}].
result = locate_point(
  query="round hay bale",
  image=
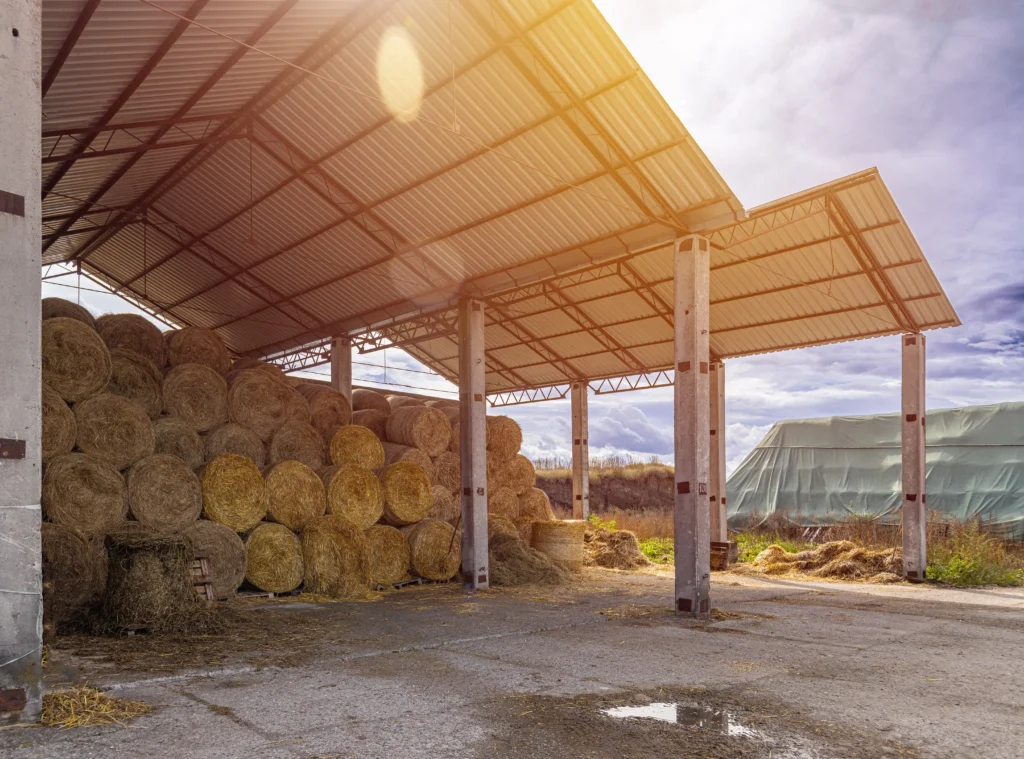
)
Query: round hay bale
[
  {"x": 196, "y": 345},
  {"x": 234, "y": 492},
  {"x": 236, "y": 439},
  {"x": 59, "y": 428},
  {"x": 452, "y": 412},
  {"x": 84, "y": 493},
  {"x": 445, "y": 507},
  {"x": 247, "y": 362},
  {"x": 407, "y": 494},
  {"x": 164, "y": 495},
  {"x": 295, "y": 495},
  {"x": 496, "y": 471},
  {"x": 335, "y": 558},
  {"x": 130, "y": 527},
  {"x": 73, "y": 569},
  {"x": 448, "y": 471},
  {"x": 535, "y": 506},
  {"x": 296, "y": 441},
  {"x": 135, "y": 333},
  {"x": 258, "y": 401},
  {"x": 435, "y": 549},
  {"x": 420, "y": 427},
  {"x": 224, "y": 552},
  {"x": 273, "y": 558},
  {"x": 135, "y": 377},
  {"x": 393, "y": 453},
  {"x": 177, "y": 438},
  {"x": 503, "y": 502},
  {"x": 114, "y": 428},
  {"x": 398, "y": 401},
  {"x": 364, "y": 399},
  {"x": 374, "y": 420},
  {"x": 76, "y": 362},
  {"x": 525, "y": 529},
  {"x": 504, "y": 436},
  {"x": 58, "y": 308},
  {"x": 387, "y": 556},
  {"x": 561, "y": 541},
  {"x": 298, "y": 407},
  {"x": 519, "y": 474},
  {"x": 354, "y": 493},
  {"x": 352, "y": 444},
  {"x": 501, "y": 526},
  {"x": 443, "y": 403},
  {"x": 327, "y": 408},
  {"x": 197, "y": 395},
  {"x": 455, "y": 444}
]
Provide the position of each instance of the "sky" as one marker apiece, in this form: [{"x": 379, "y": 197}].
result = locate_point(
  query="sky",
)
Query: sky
[{"x": 785, "y": 95}]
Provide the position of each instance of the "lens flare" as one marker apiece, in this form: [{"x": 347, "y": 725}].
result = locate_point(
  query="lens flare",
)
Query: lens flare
[{"x": 400, "y": 74}]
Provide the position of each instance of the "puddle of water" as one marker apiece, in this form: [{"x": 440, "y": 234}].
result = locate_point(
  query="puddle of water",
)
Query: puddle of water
[{"x": 702, "y": 717}]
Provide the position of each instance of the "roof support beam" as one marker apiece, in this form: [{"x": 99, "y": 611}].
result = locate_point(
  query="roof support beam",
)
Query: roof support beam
[
  {"x": 144, "y": 147},
  {"x": 69, "y": 44}
]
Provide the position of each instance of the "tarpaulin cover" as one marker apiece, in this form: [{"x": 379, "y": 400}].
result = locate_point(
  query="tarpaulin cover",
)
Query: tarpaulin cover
[{"x": 820, "y": 471}]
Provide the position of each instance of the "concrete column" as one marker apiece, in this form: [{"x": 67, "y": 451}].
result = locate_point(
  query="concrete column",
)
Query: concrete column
[
  {"x": 473, "y": 443},
  {"x": 692, "y": 430},
  {"x": 716, "y": 483},
  {"x": 915, "y": 512},
  {"x": 341, "y": 366},
  {"x": 21, "y": 608},
  {"x": 580, "y": 452}
]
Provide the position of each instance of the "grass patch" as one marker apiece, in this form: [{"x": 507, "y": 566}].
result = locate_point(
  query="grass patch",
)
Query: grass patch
[
  {"x": 659, "y": 550},
  {"x": 750, "y": 544},
  {"x": 970, "y": 557}
]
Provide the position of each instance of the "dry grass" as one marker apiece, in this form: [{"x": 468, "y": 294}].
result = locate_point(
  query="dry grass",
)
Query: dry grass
[
  {"x": 87, "y": 707},
  {"x": 626, "y": 467}
]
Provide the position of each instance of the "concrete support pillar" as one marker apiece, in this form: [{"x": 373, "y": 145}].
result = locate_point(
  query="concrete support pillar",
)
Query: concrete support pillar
[
  {"x": 341, "y": 366},
  {"x": 915, "y": 511},
  {"x": 473, "y": 443},
  {"x": 21, "y": 608},
  {"x": 580, "y": 452},
  {"x": 692, "y": 429},
  {"x": 716, "y": 483}
]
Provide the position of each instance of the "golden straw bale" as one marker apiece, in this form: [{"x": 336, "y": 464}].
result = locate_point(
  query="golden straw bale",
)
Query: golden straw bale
[
  {"x": 503, "y": 502},
  {"x": 398, "y": 401},
  {"x": 58, "y": 308},
  {"x": 443, "y": 403},
  {"x": 420, "y": 427},
  {"x": 519, "y": 474},
  {"x": 452, "y": 412},
  {"x": 135, "y": 333},
  {"x": 164, "y": 495},
  {"x": 177, "y": 438},
  {"x": 525, "y": 528},
  {"x": 535, "y": 506},
  {"x": 224, "y": 552},
  {"x": 234, "y": 492},
  {"x": 273, "y": 558},
  {"x": 327, "y": 408},
  {"x": 496, "y": 472},
  {"x": 74, "y": 573},
  {"x": 446, "y": 507},
  {"x": 247, "y": 362},
  {"x": 295, "y": 495},
  {"x": 364, "y": 399},
  {"x": 501, "y": 526},
  {"x": 59, "y": 428},
  {"x": 134, "y": 376},
  {"x": 448, "y": 471},
  {"x": 504, "y": 436},
  {"x": 561, "y": 541},
  {"x": 393, "y": 453},
  {"x": 196, "y": 345},
  {"x": 114, "y": 428},
  {"x": 197, "y": 395},
  {"x": 296, "y": 441},
  {"x": 335, "y": 558},
  {"x": 85, "y": 493},
  {"x": 435, "y": 549},
  {"x": 387, "y": 556},
  {"x": 75, "y": 360},
  {"x": 407, "y": 495},
  {"x": 298, "y": 407},
  {"x": 356, "y": 445},
  {"x": 374, "y": 420},
  {"x": 258, "y": 401},
  {"x": 234, "y": 438},
  {"x": 354, "y": 493}
]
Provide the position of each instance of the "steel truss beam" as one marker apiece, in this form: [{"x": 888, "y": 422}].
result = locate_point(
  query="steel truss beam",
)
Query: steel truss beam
[
  {"x": 535, "y": 395},
  {"x": 629, "y": 382}
]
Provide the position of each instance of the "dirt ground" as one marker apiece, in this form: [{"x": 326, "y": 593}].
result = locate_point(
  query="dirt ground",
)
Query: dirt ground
[{"x": 783, "y": 668}]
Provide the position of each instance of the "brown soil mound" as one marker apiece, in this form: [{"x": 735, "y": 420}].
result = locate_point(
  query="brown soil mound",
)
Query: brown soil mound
[
  {"x": 512, "y": 563},
  {"x": 839, "y": 559},
  {"x": 614, "y": 549}
]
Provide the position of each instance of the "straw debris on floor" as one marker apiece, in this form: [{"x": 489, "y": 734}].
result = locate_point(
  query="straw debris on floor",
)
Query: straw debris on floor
[
  {"x": 839, "y": 559},
  {"x": 88, "y": 707},
  {"x": 514, "y": 563}
]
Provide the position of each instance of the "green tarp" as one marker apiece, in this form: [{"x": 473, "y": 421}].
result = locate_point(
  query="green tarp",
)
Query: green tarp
[{"x": 820, "y": 471}]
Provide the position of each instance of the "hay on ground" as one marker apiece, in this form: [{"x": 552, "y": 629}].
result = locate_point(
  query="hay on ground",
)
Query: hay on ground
[
  {"x": 535, "y": 505},
  {"x": 561, "y": 541},
  {"x": 327, "y": 408},
  {"x": 354, "y": 493},
  {"x": 113, "y": 428},
  {"x": 260, "y": 402},
  {"x": 273, "y": 558},
  {"x": 352, "y": 444},
  {"x": 394, "y": 453},
  {"x": 296, "y": 441},
  {"x": 164, "y": 495},
  {"x": 74, "y": 573},
  {"x": 504, "y": 436},
  {"x": 407, "y": 494},
  {"x": 135, "y": 377},
  {"x": 224, "y": 552},
  {"x": 839, "y": 559},
  {"x": 435, "y": 549},
  {"x": 197, "y": 395},
  {"x": 503, "y": 502},
  {"x": 135, "y": 333},
  {"x": 374, "y": 420},
  {"x": 364, "y": 399},
  {"x": 448, "y": 471},
  {"x": 88, "y": 707},
  {"x": 445, "y": 507},
  {"x": 519, "y": 474},
  {"x": 388, "y": 559},
  {"x": 614, "y": 549},
  {"x": 295, "y": 495},
  {"x": 59, "y": 428},
  {"x": 399, "y": 401},
  {"x": 501, "y": 526},
  {"x": 514, "y": 563},
  {"x": 75, "y": 360},
  {"x": 335, "y": 558},
  {"x": 420, "y": 427},
  {"x": 196, "y": 345},
  {"x": 58, "y": 308},
  {"x": 234, "y": 492},
  {"x": 247, "y": 362},
  {"x": 236, "y": 439},
  {"x": 177, "y": 438}
]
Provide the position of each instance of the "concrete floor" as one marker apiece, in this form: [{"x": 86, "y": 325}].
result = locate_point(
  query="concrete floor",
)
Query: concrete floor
[{"x": 810, "y": 669}]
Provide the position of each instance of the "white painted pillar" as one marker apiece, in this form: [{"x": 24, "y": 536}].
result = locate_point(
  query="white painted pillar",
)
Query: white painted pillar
[
  {"x": 580, "y": 452},
  {"x": 716, "y": 484},
  {"x": 473, "y": 443},
  {"x": 341, "y": 366},
  {"x": 21, "y": 607},
  {"x": 692, "y": 429},
  {"x": 915, "y": 510}
]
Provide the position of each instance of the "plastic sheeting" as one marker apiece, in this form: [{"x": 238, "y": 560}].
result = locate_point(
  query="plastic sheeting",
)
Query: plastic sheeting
[{"x": 820, "y": 471}]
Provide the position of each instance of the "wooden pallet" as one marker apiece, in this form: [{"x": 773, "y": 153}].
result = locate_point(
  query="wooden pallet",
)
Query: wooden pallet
[{"x": 201, "y": 579}]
